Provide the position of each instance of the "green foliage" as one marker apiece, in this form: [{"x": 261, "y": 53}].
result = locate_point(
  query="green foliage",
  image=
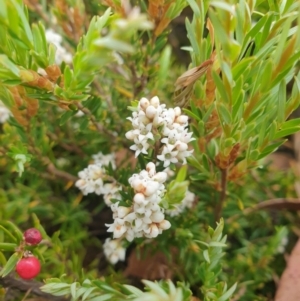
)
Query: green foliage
[
  {"x": 100, "y": 290},
  {"x": 239, "y": 92}
]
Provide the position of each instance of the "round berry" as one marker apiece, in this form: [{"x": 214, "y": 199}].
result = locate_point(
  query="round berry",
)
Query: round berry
[
  {"x": 32, "y": 236},
  {"x": 28, "y": 268}
]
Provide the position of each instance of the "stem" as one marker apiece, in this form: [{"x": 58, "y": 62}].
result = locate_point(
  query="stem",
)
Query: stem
[
  {"x": 17, "y": 285},
  {"x": 219, "y": 207},
  {"x": 100, "y": 128}
]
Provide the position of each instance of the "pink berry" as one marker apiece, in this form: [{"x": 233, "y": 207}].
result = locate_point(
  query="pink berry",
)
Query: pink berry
[
  {"x": 32, "y": 236},
  {"x": 28, "y": 268}
]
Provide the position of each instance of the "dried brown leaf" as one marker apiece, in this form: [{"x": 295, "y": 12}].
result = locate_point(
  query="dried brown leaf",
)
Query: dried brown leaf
[
  {"x": 289, "y": 285},
  {"x": 154, "y": 266}
]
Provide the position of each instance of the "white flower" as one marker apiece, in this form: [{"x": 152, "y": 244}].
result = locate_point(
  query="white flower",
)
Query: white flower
[
  {"x": 98, "y": 186},
  {"x": 111, "y": 191},
  {"x": 91, "y": 179},
  {"x": 61, "y": 53},
  {"x": 168, "y": 156},
  {"x": 114, "y": 251},
  {"x": 145, "y": 218},
  {"x": 4, "y": 113},
  {"x": 104, "y": 160},
  {"x": 153, "y": 121},
  {"x": 141, "y": 146},
  {"x": 118, "y": 228},
  {"x": 187, "y": 202}
]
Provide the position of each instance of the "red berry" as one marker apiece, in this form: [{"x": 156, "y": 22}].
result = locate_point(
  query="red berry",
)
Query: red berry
[
  {"x": 28, "y": 268},
  {"x": 32, "y": 236}
]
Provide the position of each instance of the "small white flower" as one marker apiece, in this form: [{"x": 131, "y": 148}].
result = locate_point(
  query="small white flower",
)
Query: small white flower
[
  {"x": 61, "y": 53},
  {"x": 140, "y": 146},
  {"x": 105, "y": 160},
  {"x": 114, "y": 251},
  {"x": 4, "y": 113},
  {"x": 183, "y": 155},
  {"x": 168, "y": 156},
  {"x": 98, "y": 186},
  {"x": 118, "y": 228}
]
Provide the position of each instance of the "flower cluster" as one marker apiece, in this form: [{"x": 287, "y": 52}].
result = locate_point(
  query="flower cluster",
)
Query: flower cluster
[
  {"x": 4, "y": 113},
  {"x": 105, "y": 159},
  {"x": 113, "y": 250},
  {"x": 187, "y": 202},
  {"x": 61, "y": 53},
  {"x": 145, "y": 218},
  {"x": 153, "y": 121},
  {"x": 94, "y": 179}
]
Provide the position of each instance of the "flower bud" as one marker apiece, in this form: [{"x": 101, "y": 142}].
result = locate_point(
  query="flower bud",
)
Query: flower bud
[
  {"x": 151, "y": 188},
  {"x": 157, "y": 217},
  {"x": 154, "y": 101},
  {"x": 130, "y": 135},
  {"x": 181, "y": 146},
  {"x": 139, "y": 198},
  {"x": 150, "y": 112},
  {"x": 123, "y": 211},
  {"x": 182, "y": 119},
  {"x": 165, "y": 225},
  {"x": 160, "y": 177},
  {"x": 177, "y": 111},
  {"x": 153, "y": 230},
  {"x": 144, "y": 103}
]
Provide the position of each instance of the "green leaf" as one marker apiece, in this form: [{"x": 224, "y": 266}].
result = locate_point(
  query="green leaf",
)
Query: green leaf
[
  {"x": 73, "y": 289},
  {"x": 10, "y": 265},
  {"x": 7, "y": 63},
  {"x": 5, "y": 246},
  {"x": 181, "y": 175},
  {"x": 206, "y": 256},
  {"x": 287, "y": 132},
  {"x": 220, "y": 86},
  {"x": 164, "y": 65},
  {"x": 270, "y": 149},
  {"x": 102, "y": 297},
  {"x": 134, "y": 290},
  {"x": 228, "y": 294},
  {"x": 195, "y": 8},
  {"x": 192, "y": 37},
  {"x": 191, "y": 114},
  {"x": 25, "y": 24},
  {"x": 224, "y": 113},
  {"x": 87, "y": 293},
  {"x": 68, "y": 76},
  {"x": 217, "y": 244},
  {"x": 281, "y": 102},
  {"x": 66, "y": 116}
]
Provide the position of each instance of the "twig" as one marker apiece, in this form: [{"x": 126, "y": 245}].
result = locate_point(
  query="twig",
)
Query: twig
[
  {"x": 69, "y": 147},
  {"x": 219, "y": 207},
  {"x": 278, "y": 204},
  {"x": 98, "y": 126},
  {"x": 50, "y": 166},
  {"x": 60, "y": 173},
  {"x": 25, "y": 286}
]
